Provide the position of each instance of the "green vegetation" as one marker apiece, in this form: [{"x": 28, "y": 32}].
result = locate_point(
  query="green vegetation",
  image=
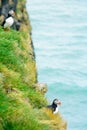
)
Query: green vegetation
[
  {"x": 21, "y": 106},
  {"x": 20, "y": 103},
  {"x": 17, "y": 74}
]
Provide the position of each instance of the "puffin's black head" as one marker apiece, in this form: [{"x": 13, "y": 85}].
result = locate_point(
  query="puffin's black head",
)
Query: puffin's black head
[{"x": 56, "y": 102}]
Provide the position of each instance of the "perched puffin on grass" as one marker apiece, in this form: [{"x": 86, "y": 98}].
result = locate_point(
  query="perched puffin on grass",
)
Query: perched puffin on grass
[
  {"x": 9, "y": 21},
  {"x": 54, "y": 106}
]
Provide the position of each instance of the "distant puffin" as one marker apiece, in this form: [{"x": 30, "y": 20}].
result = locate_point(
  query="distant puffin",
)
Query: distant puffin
[
  {"x": 9, "y": 21},
  {"x": 54, "y": 106}
]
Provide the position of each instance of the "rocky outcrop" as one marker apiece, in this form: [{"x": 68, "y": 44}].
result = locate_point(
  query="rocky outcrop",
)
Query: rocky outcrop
[{"x": 40, "y": 87}]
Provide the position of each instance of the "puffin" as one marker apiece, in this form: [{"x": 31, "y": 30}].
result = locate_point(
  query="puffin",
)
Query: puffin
[
  {"x": 54, "y": 106},
  {"x": 9, "y": 21}
]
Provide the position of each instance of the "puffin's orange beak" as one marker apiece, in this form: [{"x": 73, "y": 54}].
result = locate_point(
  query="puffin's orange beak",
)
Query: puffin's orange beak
[{"x": 59, "y": 102}]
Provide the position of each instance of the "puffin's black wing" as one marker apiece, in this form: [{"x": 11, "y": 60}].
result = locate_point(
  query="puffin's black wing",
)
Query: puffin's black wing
[{"x": 50, "y": 107}]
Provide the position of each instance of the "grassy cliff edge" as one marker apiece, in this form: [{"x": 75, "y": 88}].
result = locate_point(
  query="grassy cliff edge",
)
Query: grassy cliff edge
[{"x": 21, "y": 106}]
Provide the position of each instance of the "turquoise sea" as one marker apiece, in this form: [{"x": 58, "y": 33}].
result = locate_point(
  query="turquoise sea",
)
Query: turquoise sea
[{"x": 60, "y": 40}]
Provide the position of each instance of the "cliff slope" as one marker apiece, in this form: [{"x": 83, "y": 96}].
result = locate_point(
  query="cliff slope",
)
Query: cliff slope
[{"x": 21, "y": 105}]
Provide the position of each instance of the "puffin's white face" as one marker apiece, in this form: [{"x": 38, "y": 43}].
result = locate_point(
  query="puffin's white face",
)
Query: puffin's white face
[
  {"x": 12, "y": 13},
  {"x": 56, "y": 101}
]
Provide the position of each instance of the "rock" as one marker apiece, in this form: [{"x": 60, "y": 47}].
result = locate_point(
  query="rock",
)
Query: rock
[
  {"x": 2, "y": 18},
  {"x": 41, "y": 87}
]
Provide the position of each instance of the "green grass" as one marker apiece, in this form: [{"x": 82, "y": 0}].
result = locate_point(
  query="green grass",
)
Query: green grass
[
  {"x": 17, "y": 115},
  {"x": 19, "y": 101},
  {"x": 15, "y": 55}
]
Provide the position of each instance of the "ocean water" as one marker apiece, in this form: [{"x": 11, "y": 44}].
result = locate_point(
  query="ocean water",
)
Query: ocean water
[{"x": 60, "y": 41}]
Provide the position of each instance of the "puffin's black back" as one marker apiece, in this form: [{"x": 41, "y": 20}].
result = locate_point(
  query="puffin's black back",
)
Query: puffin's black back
[{"x": 53, "y": 106}]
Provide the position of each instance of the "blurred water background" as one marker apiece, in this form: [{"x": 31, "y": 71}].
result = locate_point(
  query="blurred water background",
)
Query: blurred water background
[{"x": 60, "y": 41}]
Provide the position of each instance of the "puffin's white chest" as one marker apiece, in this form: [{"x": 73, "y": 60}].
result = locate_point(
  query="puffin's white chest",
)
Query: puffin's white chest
[
  {"x": 56, "y": 111},
  {"x": 9, "y": 21}
]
